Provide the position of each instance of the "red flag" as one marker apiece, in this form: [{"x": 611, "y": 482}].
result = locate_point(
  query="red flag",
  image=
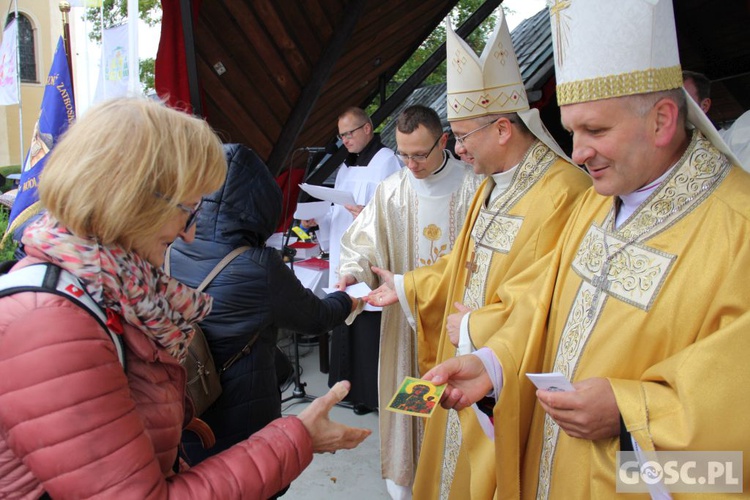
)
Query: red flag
[{"x": 170, "y": 68}]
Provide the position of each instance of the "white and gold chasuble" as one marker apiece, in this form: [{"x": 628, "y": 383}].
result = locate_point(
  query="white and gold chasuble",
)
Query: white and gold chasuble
[
  {"x": 516, "y": 229},
  {"x": 407, "y": 224},
  {"x": 657, "y": 305}
]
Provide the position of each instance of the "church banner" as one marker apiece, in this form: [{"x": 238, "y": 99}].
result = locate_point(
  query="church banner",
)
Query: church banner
[{"x": 56, "y": 115}]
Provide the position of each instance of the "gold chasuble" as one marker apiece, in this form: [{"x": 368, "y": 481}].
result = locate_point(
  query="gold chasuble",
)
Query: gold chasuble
[
  {"x": 519, "y": 228},
  {"x": 660, "y": 306},
  {"x": 408, "y": 223}
]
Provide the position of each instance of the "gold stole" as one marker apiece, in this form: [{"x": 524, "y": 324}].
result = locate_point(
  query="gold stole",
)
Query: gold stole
[{"x": 616, "y": 263}]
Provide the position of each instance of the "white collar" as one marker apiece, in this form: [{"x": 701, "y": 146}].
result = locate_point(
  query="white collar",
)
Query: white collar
[
  {"x": 502, "y": 181},
  {"x": 443, "y": 181}
]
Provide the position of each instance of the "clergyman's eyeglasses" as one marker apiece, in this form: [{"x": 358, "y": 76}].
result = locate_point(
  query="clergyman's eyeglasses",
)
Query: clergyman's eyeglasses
[
  {"x": 419, "y": 158},
  {"x": 350, "y": 133}
]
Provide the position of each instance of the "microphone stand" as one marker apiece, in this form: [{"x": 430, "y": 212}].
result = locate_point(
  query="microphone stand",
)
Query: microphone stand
[
  {"x": 287, "y": 251},
  {"x": 299, "y": 387}
]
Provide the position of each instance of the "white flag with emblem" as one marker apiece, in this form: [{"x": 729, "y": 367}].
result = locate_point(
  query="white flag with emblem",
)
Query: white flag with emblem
[
  {"x": 8, "y": 71},
  {"x": 116, "y": 64}
]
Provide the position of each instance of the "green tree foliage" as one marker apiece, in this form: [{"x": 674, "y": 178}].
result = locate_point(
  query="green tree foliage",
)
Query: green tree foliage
[
  {"x": 147, "y": 74},
  {"x": 460, "y": 13},
  {"x": 114, "y": 12},
  {"x": 8, "y": 246}
]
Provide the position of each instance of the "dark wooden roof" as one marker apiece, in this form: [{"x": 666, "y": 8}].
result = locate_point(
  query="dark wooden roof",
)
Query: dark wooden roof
[{"x": 293, "y": 66}]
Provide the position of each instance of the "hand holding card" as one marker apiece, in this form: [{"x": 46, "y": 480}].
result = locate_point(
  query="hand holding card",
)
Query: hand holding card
[{"x": 555, "y": 382}]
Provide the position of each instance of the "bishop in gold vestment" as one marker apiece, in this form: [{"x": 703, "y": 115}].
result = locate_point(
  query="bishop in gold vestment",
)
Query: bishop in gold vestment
[
  {"x": 669, "y": 329},
  {"x": 519, "y": 228},
  {"x": 645, "y": 306}
]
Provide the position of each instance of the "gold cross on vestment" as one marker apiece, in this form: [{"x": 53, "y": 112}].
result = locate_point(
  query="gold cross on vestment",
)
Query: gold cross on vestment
[
  {"x": 471, "y": 266},
  {"x": 555, "y": 11}
]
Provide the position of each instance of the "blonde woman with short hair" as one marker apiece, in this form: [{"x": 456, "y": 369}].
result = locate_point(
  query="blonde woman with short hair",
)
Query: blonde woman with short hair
[{"x": 120, "y": 187}]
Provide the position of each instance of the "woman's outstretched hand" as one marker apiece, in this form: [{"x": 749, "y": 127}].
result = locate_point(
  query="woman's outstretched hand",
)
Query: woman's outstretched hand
[{"x": 327, "y": 435}]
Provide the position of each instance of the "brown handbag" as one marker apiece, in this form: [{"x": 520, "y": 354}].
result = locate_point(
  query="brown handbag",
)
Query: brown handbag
[{"x": 203, "y": 379}]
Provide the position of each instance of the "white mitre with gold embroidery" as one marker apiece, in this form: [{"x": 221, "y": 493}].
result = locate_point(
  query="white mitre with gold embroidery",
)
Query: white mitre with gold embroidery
[
  {"x": 613, "y": 48},
  {"x": 617, "y": 48},
  {"x": 485, "y": 85},
  {"x": 490, "y": 84}
]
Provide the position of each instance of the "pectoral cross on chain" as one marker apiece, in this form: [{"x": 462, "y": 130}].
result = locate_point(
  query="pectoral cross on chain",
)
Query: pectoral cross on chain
[
  {"x": 601, "y": 283},
  {"x": 472, "y": 267}
]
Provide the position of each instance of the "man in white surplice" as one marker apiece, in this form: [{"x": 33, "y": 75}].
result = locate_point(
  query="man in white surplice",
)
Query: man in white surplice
[{"x": 411, "y": 221}]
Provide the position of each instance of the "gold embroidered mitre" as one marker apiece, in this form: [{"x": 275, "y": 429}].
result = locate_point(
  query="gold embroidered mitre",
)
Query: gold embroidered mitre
[
  {"x": 613, "y": 48},
  {"x": 485, "y": 85}
]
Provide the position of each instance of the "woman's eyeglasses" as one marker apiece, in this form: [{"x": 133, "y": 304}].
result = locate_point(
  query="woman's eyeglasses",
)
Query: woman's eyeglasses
[
  {"x": 192, "y": 214},
  {"x": 191, "y": 211}
]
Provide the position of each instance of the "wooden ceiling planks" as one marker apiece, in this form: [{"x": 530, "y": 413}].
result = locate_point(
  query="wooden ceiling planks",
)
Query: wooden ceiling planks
[{"x": 271, "y": 50}]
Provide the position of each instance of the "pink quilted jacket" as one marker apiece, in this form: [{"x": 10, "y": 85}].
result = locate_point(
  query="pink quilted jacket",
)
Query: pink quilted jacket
[{"x": 75, "y": 424}]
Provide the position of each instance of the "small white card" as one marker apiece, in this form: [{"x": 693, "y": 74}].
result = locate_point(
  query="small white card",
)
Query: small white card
[
  {"x": 555, "y": 382},
  {"x": 357, "y": 290}
]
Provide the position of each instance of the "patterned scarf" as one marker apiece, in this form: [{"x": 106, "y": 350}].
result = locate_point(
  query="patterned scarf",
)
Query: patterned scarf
[{"x": 161, "y": 307}]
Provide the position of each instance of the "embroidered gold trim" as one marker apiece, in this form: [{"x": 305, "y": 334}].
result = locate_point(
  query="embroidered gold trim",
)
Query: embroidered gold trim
[
  {"x": 471, "y": 103},
  {"x": 702, "y": 168},
  {"x": 634, "y": 82},
  {"x": 452, "y": 448}
]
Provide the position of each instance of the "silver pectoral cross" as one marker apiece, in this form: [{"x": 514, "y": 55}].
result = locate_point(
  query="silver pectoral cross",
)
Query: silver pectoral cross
[{"x": 601, "y": 283}]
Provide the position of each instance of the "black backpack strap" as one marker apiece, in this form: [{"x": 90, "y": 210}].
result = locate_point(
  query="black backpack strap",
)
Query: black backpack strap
[
  {"x": 48, "y": 278},
  {"x": 6, "y": 266}
]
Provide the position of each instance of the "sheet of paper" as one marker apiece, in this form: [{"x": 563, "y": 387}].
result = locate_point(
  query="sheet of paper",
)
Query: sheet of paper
[
  {"x": 357, "y": 290},
  {"x": 551, "y": 381},
  {"x": 333, "y": 195},
  {"x": 312, "y": 210}
]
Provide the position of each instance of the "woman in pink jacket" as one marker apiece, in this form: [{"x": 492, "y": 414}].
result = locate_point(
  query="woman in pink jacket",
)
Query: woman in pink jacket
[{"x": 123, "y": 183}]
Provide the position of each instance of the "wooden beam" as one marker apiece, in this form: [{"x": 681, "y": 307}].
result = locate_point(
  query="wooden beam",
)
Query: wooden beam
[
  {"x": 186, "y": 12},
  {"x": 321, "y": 73}
]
